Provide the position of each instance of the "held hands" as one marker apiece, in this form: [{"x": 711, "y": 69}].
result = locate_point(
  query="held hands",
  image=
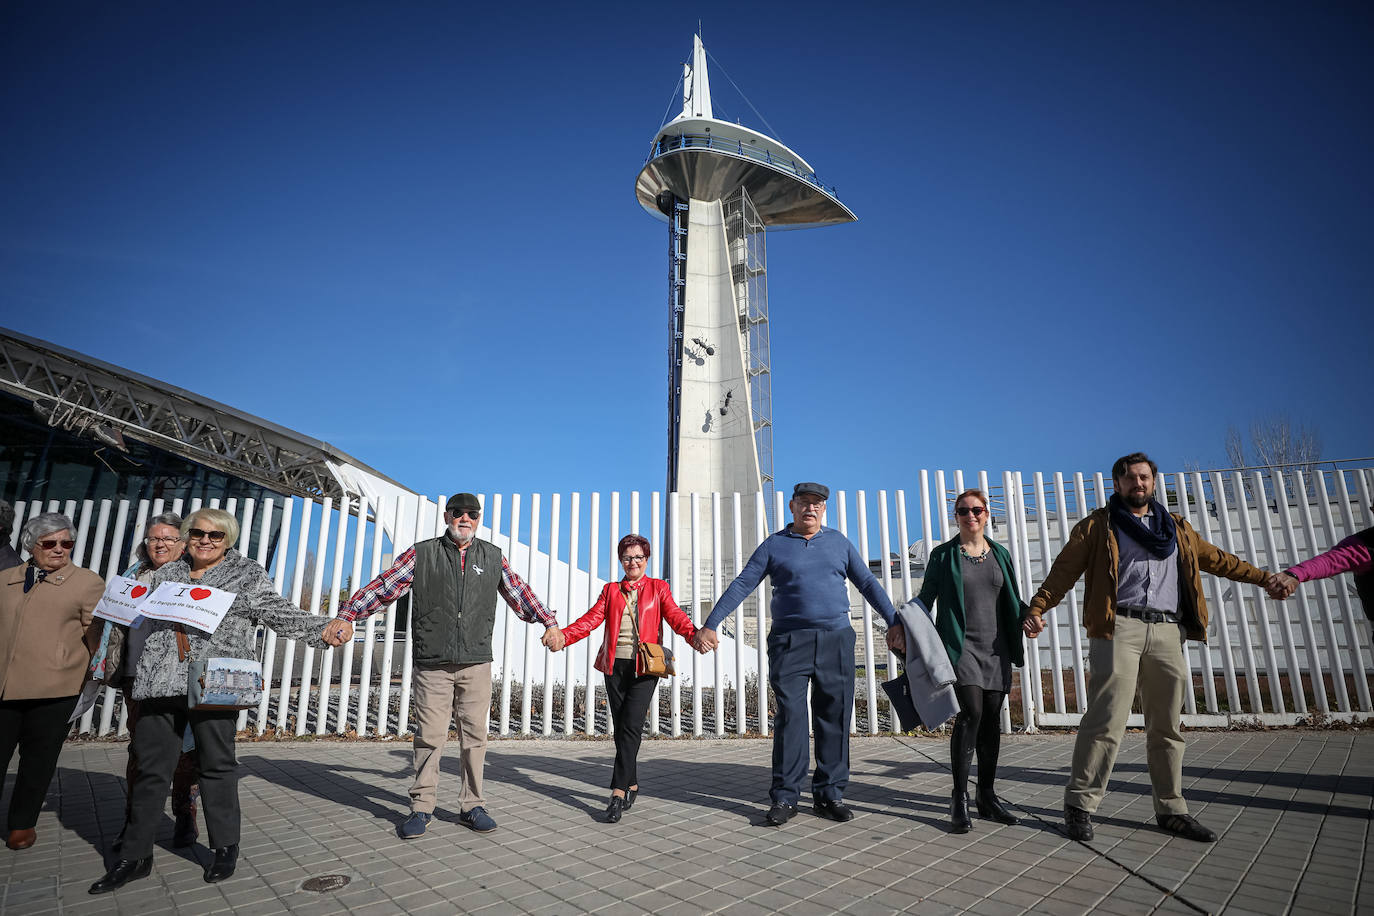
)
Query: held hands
[
  {"x": 705, "y": 641},
  {"x": 896, "y": 639},
  {"x": 337, "y": 632},
  {"x": 1032, "y": 625},
  {"x": 1281, "y": 585},
  {"x": 553, "y": 639}
]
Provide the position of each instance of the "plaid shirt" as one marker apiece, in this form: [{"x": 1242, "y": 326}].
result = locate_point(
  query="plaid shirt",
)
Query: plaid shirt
[{"x": 395, "y": 582}]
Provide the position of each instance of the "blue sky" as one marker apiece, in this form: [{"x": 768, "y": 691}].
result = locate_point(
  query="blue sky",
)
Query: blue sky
[{"x": 410, "y": 230}]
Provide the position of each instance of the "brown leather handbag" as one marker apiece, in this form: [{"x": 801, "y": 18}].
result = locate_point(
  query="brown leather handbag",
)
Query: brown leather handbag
[
  {"x": 653, "y": 658},
  {"x": 656, "y": 660}
]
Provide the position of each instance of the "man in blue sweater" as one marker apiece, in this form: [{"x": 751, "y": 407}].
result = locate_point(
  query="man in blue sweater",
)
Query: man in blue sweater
[{"x": 811, "y": 643}]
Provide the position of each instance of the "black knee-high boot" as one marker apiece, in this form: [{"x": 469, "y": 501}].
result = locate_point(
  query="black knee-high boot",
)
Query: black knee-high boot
[
  {"x": 989, "y": 744},
  {"x": 961, "y": 759}
]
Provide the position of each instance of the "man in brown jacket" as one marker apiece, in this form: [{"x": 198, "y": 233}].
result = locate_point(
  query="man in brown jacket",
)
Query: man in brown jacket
[{"x": 1143, "y": 597}]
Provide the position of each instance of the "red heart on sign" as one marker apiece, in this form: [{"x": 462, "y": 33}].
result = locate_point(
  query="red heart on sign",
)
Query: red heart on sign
[
  {"x": 138, "y": 591},
  {"x": 199, "y": 593}
]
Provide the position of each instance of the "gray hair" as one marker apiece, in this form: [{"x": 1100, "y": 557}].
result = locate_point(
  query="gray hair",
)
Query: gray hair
[
  {"x": 6, "y": 517},
  {"x": 43, "y": 524},
  {"x": 166, "y": 518}
]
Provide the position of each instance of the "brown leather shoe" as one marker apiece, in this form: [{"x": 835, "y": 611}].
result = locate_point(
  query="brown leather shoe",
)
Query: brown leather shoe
[{"x": 22, "y": 839}]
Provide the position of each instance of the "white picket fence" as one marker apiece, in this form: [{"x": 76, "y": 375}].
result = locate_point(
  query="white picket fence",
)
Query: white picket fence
[{"x": 1267, "y": 661}]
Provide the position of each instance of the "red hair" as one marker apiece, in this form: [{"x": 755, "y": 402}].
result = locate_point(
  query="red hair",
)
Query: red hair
[{"x": 632, "y": 540}]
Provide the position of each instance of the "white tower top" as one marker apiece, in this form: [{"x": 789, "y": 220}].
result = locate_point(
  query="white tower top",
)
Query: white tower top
[
  {"x": 696, "y": 84},
  {"x": 697, "y": 156}
]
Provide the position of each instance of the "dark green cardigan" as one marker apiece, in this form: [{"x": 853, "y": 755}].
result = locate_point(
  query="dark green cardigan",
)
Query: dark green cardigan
[{"x": 944, "y": 584}]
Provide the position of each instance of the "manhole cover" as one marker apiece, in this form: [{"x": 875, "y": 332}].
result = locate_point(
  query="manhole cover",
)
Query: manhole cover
[{"x": 323, "y": 884}]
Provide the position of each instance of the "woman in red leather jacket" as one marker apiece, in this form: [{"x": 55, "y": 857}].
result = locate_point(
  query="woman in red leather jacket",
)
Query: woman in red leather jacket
[{"x": 633, "y": 610}]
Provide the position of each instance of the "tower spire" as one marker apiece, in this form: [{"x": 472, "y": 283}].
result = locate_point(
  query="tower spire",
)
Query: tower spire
[{"x": 696, "y": 84}]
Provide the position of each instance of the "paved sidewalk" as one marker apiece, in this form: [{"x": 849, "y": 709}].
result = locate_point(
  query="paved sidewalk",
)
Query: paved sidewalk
[{"x": 1293, "y": 810}]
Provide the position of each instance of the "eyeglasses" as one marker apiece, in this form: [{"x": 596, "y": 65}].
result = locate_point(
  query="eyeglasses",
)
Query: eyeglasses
[
  {"x": 632, "y": 558},
  {"x": 154, "y": 542},
  {"x": 50, "y": 545},
  {"x": 975, "y": 511},
  {"x": 473, "y": 514},
  {"x": 215, "y": 536}
]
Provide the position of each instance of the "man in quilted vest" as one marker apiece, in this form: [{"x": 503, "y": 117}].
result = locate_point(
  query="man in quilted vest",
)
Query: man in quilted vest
[{"x": 454, "y": 581}]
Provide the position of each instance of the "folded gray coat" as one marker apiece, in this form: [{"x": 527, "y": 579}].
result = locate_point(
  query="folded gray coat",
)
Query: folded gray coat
[{"x": 929, "y": 674}]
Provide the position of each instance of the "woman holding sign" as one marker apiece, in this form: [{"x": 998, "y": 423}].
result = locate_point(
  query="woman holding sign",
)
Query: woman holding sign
[
  {"x": 46, "y": 610},
  {"x": 215, "y": 573},
  {"x": 114, "y": 664},
  {"x": 633, "y": 610}
]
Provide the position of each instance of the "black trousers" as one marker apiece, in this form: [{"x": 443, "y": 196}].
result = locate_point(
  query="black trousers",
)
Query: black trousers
[
  {"x": 978, "y": 727},
  {"x": 37, "y": 728},
  {"x": 628, "y": 695},
  {"x": 157, "y": 745},
  {"x": 823, "y": 660}
]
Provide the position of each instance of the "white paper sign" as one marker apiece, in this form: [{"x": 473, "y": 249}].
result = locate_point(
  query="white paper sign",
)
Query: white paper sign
[
  {"x": 122, "y": 600},
  {"x": 188, "y": 604}
]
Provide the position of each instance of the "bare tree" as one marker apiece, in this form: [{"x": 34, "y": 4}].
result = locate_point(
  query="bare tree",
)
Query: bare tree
[
  {"x": 1276, "y": 442},
  {"x": 1279, "y": 444},
  {"x": 307, "y": 580}
]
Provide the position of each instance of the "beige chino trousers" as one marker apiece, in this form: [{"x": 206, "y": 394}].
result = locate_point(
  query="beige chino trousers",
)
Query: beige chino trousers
[
  {"x": 461, "y": 692},
  {"x": 1148, "y": 656}
]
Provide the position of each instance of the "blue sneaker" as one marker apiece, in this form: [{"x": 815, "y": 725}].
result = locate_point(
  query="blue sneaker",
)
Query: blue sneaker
[
  {"x": 477, "y": 819},
  {"x": 414, "y": 826}
]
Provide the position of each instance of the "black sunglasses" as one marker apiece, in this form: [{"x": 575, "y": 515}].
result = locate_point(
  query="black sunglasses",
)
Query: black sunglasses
[
  {"x": 49, "y": 545},
  {"x": 215, "y": 536},
  {"x": 473, "y": 514},
  {"x": 970, "y": 510}
]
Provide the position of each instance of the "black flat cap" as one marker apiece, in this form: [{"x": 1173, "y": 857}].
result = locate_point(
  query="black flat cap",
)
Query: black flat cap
[
  {"x": 460, "y": 501},
  {"x": 816, "y": 489}
]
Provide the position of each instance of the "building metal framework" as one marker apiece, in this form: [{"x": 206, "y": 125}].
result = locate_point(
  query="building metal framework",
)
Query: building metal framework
[
  {"x": 92, "y": 398},
  {"x": 744, "y": 233},
  {"x": 676, "y": 211}
]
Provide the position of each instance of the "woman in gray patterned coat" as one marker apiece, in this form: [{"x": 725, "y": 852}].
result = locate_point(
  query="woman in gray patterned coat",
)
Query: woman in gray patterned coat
[{"x": 160, "y": 682}]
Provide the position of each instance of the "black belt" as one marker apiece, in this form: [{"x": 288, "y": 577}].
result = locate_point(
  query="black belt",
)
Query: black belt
[{"x": 1149, "y": 615}]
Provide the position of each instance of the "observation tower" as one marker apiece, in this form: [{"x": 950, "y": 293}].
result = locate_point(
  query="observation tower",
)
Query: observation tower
[{"x": 720, "y": 186}]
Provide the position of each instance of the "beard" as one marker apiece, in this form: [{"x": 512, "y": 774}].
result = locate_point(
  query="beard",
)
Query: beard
[
  {"x": 1138, "y": 500},
  {"x": 461, "y": 536}
]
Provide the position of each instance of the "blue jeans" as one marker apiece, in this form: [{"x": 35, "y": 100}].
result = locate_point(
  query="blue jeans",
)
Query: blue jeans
[{"x": 824, "y": 661}]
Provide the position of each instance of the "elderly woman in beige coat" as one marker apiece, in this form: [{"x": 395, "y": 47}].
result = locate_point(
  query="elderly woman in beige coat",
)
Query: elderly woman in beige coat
[{"x": 45, "y": 636}]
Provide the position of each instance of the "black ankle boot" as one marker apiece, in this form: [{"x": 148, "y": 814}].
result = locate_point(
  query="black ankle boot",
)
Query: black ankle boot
[
  {"x": 226, "y": 860},
  {"x": 124, "y": 871},
  {"x": 959, "y": 820},
  {"x": 613, "y": 809},
  {"x": 990, "y": 808}
]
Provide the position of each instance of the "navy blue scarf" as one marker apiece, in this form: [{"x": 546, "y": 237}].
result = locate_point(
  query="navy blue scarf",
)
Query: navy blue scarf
[
  {"x": 32, "y": 576},
  {"x": 1159, "y": 537}
]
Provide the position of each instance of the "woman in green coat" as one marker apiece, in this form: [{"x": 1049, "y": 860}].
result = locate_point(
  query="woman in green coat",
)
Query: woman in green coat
[{"x": 971, "y": 586}]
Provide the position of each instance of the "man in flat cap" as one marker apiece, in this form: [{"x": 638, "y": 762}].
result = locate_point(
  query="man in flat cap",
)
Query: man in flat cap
[
  {"x": 454, "y": 580},
  {"x": 811, "y": 642}
]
